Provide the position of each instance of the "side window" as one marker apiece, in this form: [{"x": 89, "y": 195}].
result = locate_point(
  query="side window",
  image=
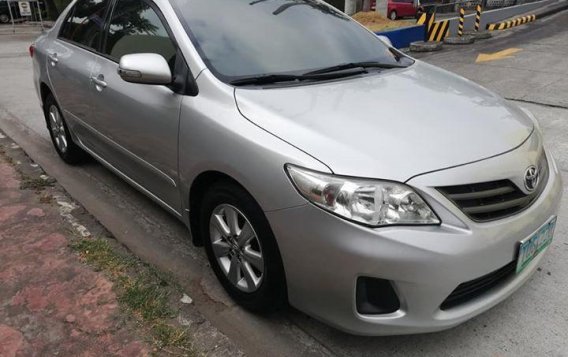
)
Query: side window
[
  {"x": 136, "y": 28},
  {"x": 85, "y": 23}
]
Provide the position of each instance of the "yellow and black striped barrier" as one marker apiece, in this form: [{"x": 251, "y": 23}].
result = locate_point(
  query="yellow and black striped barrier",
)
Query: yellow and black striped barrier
[
  {"x": 477, "y": 18},
  {"x": 461, "y": 22},
  {"x": 439, "y": 31},
  {"x": 421, "y": 20},
  {"x": 426, "y": 19},
  {"x": 511, "y": 23},
  {"x": 436, "y": 31}
]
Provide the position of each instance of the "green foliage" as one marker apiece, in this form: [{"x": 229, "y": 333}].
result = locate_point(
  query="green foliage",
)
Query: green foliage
[{"x": 141, "y": 289}]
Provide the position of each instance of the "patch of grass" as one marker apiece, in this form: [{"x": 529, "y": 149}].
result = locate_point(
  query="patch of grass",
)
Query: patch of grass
[
  {"x": 46, "y": 198},
  {"x": 7, "y": 158},
  {"x": 141, "y": 289},
  {"x": 36, "y": 184},
  {"x": 167, "y": 335},
  {"x": 147, "y": 298},
  {"x": 99, "y": 253}
]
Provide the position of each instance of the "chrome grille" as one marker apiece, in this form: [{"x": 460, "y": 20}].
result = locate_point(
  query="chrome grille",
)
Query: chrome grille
[{"x": 487, "y": 201}]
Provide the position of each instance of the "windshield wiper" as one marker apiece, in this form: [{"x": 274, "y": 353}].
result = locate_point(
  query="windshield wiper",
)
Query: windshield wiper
[
  {"x": 276, "y": 78},
  {"x": 344, "y": 66},
  {"x": 266, "y": 79}
]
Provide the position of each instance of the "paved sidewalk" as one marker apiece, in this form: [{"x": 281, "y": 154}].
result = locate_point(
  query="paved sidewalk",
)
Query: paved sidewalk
[
  {"x": 67, "y": 288},
  {"x": 50, "y": 302}
]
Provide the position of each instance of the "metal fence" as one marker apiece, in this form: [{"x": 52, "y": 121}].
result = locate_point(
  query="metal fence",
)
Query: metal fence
[
  {"x": 452, "y": 7},
  {"x": 448, "y": 6},
  {"x": 22, "y": 15}
]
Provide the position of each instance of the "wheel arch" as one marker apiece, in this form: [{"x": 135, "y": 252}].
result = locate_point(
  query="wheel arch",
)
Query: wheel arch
[
  {"x": 196, "y": 193},
  {"x": 44, "y": 91}
]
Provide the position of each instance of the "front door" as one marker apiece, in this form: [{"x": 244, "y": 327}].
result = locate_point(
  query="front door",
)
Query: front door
[
  {"x": 138, "y": 123},
  {"x": 72, "y": 58}
]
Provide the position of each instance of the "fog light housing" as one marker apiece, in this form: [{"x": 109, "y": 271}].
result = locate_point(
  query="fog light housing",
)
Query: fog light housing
[{"x": 376, "y": 297}]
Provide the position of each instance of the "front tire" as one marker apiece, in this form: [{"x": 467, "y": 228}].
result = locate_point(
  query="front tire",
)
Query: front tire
[
  {"x": 59, "y": 133},
  {"x": 393, "y": 16},
  {"x": 241, "y": 248},
  {"x": 4, "y": 19}
]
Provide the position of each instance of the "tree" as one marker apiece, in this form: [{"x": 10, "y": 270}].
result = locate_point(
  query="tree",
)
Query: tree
[{"x": 52, "y": 9}]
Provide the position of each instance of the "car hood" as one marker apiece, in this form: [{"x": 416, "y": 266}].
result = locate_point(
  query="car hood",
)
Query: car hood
[{"x": 393, "y": 125}]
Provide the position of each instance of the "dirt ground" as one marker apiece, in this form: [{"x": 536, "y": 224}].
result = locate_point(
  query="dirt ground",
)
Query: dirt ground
[{"x": 376, "y": 22}]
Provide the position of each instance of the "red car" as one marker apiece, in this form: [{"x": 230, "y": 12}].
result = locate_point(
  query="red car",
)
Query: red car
[{"x": 403, "y": 8}]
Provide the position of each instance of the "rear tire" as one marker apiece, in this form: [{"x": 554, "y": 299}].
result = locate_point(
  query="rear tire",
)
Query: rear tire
[
  {"x": 393, "y": 16},
  {"x": 4, "y": 19},
  {"x": 245, "y": 259},
  {"x": 59, "y": 133}
]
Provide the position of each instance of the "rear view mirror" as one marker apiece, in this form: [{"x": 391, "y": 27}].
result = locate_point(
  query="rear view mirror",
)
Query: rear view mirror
[{"x": 145, "y": 68}]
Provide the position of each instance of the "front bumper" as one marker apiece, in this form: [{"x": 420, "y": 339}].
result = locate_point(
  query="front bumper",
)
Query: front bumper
[{"x": 324, "y": 255}]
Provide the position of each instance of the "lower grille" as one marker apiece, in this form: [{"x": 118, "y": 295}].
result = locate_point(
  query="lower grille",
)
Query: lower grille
[
  {"x": 487, "y": 201},
  {"x": 469, "y": 290}
]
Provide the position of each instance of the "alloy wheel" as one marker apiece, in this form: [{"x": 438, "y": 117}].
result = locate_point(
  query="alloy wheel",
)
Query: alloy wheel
[
  {"x": 57, "y": 129},
  {"x": 236, "y": 248}
]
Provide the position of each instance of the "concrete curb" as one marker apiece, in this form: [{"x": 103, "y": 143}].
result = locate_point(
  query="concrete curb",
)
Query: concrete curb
[
  {"x": 529, "y": 17},
  {"x": 541, "y": 13},
  {"x": 463, "y": 40},
  {"x": 481, "y": 35},
  {"x": 421, "y": 46},
  {"x": 514, "y": 22},
  {"x": 501, "y": 14}
]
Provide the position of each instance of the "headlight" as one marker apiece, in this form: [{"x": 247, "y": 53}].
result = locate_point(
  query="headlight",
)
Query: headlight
[{"x": 371, "y": 202}]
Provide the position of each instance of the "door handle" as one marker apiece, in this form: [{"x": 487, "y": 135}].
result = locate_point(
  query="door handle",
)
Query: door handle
[
  {"x": 99, "y": 82},
  {"x": 53, "y": 58}
]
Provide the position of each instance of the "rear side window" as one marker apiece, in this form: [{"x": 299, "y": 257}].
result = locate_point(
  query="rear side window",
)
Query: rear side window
[
  {"x": 85, "y": 23},
  {"x": 135, "y": 27}
]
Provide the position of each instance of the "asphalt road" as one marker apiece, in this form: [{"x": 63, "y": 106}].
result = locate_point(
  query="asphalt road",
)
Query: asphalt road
[{"x": 534, "y": 321}]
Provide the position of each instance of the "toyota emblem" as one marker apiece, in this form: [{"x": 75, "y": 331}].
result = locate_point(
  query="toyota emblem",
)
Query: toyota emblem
[{"x": 531, "y": 178}]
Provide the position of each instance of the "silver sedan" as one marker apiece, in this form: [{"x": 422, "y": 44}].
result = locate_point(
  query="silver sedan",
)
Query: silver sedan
[{"x": 318, "y": 165}]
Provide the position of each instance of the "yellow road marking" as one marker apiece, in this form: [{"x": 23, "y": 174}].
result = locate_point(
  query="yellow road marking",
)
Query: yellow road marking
[{"x": 485, "y": 57}]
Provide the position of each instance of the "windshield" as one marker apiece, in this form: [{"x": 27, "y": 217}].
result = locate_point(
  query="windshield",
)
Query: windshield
[{"x": 244, "y": 38}]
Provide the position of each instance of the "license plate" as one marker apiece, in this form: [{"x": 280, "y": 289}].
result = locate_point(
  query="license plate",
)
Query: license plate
[{"x": 532, "y": 246}]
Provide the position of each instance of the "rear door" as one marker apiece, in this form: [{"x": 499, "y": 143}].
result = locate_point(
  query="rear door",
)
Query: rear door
[
  {"x": 137, "y": 123},
  {"x": 72, "y": 58}
]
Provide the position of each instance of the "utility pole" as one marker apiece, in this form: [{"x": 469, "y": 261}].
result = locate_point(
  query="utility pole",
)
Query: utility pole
[
  {"x": 350, "y": 7},
  {"x": 381, "y": 7}
]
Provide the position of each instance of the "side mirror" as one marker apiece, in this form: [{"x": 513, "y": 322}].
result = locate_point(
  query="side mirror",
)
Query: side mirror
[
  {"x": 386, "y": 40},
  {"x": 145, "y": 68}
]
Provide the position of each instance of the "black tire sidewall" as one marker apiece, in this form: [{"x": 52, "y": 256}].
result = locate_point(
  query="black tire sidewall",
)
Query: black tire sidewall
[
  {"x": 74, "y": 154},
  {"x": 271, "y": 295}
]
